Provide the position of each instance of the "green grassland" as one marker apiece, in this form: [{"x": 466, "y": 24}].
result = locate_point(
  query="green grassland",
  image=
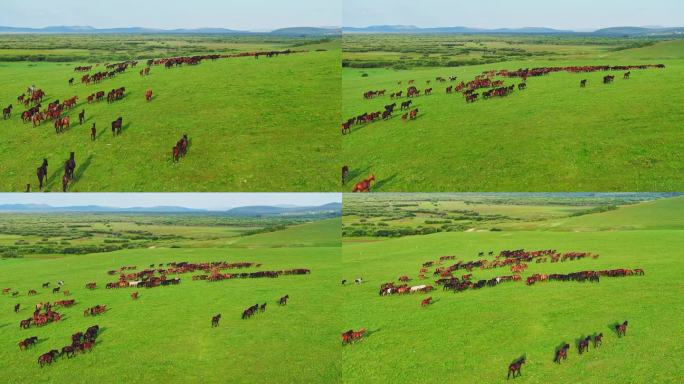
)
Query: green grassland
[
  {"x": 166, "y": 334},
  {"x": 389, "y": 215},
  {"x": 254, "y": 125},
  {"x": 554, "y": 136},
  {"x": 472, "y": 336}
]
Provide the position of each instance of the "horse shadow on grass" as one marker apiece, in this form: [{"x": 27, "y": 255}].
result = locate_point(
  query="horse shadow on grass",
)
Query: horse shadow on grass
[
  {"x": 82, "y": 169},
  {"x": 54, "y": 177},
  {"x": 125, "y": 127},
  {"x": 370, "y": 332},
  {"x": 4, "y": 325},
  {"x": 384, "y": 181},
  {"x": 435, "y": 301},
  {"x": 356, "y": 173}
]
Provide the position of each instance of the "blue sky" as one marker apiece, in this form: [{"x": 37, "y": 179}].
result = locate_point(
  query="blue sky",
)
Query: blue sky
[
  {"x": 169, "y": 14},
  {"x": 562, "y": 14},
  {"x": 190, "y": 200}
]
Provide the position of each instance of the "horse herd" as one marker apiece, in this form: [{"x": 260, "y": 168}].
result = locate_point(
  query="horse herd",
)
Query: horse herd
[
  {"x": 496, "y": 88},
  {"x": 506, "y": 258},
  {"x": 55, "y": 110},
  {"x": 82, "y": 342}
]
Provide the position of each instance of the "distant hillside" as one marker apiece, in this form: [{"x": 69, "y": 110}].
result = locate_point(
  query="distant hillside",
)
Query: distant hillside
[
  {"x": 307, "y": 31},
  {"x": 616, "y": 31},
  {"x": 639, "y": 31},
  {"x": 333, "y": 209},
  {"x": 458, "y": 29},
  {"x": 300, "y": 31}
]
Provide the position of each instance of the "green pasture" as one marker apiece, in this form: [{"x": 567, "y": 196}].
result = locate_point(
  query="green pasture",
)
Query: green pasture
[
  {"x": 554, "y": 136},
  {"x": 473, "y": 336},
  {"x": 166, "y": 334},
  {"x": 254, "y": 125}
]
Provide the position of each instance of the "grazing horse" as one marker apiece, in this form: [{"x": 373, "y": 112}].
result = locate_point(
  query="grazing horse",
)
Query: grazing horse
[
  {"x": 7, "y": 112},
  {"x": 365, "y": 185},
  {"x": 41, "y": 172},
  {"x": 47, "y": 358},
  {"x": 148, "y": 95},
  {"x": 93, "y": 133},
  {"x": 28, "y": 342},
  {"x": 598, "y": 339},
  {"x": 55, "y": 290},
  {"x": 426, "y": 302},
  {"x": 215, "y": 320},
  {"x": 134, "y": 295},
  {"x": 283, "y": 300},
  {"x": 81, "y": 117},
  {"x": 515, "y": 368},
  {"x": 583, "y": 83},
  {"x": 562, "y": 353},
  {"x": 32, "y": 292},
  {"x": 68, "y": 350},
  {"x": 584, "y": 344},
  {"x": 16, "y": 307},
  {"x": 622, "y": 329},
  {"x": 345, "y": 174}
]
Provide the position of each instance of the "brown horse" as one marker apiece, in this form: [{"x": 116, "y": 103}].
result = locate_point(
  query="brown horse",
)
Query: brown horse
[
  {"x": 364, "y": 186},
  {"x": 148, "y": 95},
  {"x": 516, "y": 367},
  {"x": 562, "y": 353},
  {"x": 622, "y": 329},
  {"x": 426, "y": 302}
]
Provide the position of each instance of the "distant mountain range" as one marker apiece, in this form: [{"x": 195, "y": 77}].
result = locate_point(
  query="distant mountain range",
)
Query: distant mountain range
[
  {"x": 248, "y": 211},
  {"x": 616, "y": 31},
  {"x": 294, "y": 31}
]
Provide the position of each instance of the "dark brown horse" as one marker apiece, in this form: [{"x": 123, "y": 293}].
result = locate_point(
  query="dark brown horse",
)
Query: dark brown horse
[
  {"x": 622, "y": 329},
  {"x": 584, "y": 344},
  {"x": 215, "y": 320},
  {"x": 562, "y": 353},
  {"x": 41, "y": 172},
  {"x": 516, "y": 367}
]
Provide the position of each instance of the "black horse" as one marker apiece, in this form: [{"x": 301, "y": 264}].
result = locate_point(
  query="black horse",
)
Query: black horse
[
  {"x": 41, "y": 172},
  {"x": 70, "y": 166}
]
